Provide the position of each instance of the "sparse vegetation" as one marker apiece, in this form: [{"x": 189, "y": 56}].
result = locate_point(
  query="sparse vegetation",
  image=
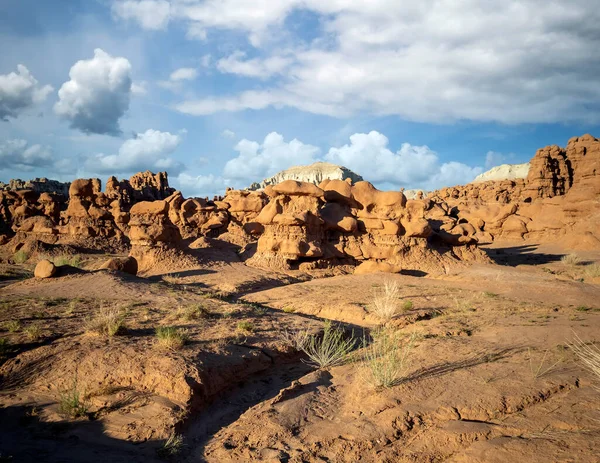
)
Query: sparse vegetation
[
  {"x": 13, "y": 326},
  {"x": 570, "y": 259},
  {"x": 4, "y": 346},
  {"x": 592, "y": 271},
  {"x": 386, "y": 359},
  {"x": 172, "y": 446},
  {"x": 407, "y": 305},
  {"x": 194, "y": 312},
  {"x": 588, "y": 354},
  {"x": 20, "y": 257},
  {"x": 73, "y": 261},
  {"x": 33, "y": 332},
  {"x": 386, "y": 301},
  {"x": 109, "y": 321},
  {"x": 326, "y": 350},
  {"x": 170, "y": 337},
  {"x": 245, "y": 326},
  {"x": 490, "y": 294},
  {"x": 72, "y": 403},
  {"x": 540, "y": 368},
  {"x": 289, "y": 309}
]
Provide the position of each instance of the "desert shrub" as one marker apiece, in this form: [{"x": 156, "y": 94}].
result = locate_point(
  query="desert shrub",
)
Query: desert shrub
[
  {"x": 407, "y": 305},
  {"x": 170, "y": 337},
  {"x": 386, "y": 358},
  {"x": 72, "y": 403},
  {"x": 33, "y": 332},
  {"x": 245, "y": 326},
  {"x": 20, "y": 257},
  {"x": 13, "y": 326},
  {"x": 289, "y": 309},
  {"x": 194, "y": 312},
  {"x": 588, "y": 354},
  {"x": 570, "y": 259},
  {"x": 386, "y": 301},
  {"x": 109, "y": 321},
  {"x": 592, "y": 271},
  {"x": 326, "y": 350},
  {"x": 490, "y": 294},
  {"x": 172, "y": 446},
  {"x": 73, "y": 261}
]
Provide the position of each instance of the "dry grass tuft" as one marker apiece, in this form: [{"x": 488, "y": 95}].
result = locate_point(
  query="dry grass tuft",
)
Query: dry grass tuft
[
  {"x": 539, "y": 367},
  {"x": 588, "y": 354},
  {"x": 592, "y": 271},
  {"x": 13, "y": 326},
  {"x": 324, "y": 351},
  {"x": 570, "y": 259},
  {"x": 194, "y": 312},
  {"x": 109, "y": 321},
  {"x": 172, "y": 446},
  {"x": 386, "y": 359},
  {"x": 386, "y": 301},
  {"x": 170, "y": 337},
  {"x": 33, "y": 332}
]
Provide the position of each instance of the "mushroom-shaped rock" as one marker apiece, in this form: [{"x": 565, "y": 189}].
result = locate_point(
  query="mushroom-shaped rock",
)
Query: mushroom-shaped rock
[
  {"x": 125, "y": 264},
  {"x": 44, "y": 269}
]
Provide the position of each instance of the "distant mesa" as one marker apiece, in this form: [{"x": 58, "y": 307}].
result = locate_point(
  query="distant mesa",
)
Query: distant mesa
[
  {"x": 314, "y": 173},
  {"x": 504, "y": 172},
  {"x": 39, "y": 185}
]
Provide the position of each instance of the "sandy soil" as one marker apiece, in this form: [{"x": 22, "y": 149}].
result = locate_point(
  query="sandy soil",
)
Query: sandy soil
[{"x": 490, "y": 376}]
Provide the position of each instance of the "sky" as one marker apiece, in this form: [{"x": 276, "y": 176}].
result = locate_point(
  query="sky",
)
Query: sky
[{"x": 223, "y": 93}]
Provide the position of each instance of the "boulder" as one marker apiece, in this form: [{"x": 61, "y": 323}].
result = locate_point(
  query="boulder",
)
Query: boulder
[
  {"x": 44, "y": 269},
  {"x": 122, "y": 264}
]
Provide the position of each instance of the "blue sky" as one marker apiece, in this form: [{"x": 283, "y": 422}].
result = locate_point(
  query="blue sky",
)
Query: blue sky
[{"x": 224, "y": 93}]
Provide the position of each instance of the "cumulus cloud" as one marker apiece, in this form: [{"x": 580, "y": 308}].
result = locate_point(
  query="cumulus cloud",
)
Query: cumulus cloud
[
  {"x": 410, "y": 167},
  {"x": 150, "y": 14},
  {"x": 256, "y": 161},
  {"x": 139, "y": 88},
  {"x": 97, "y": 95},
  {"x": 19, "y": 91},
  {"x": 150, "y": 150},
  {"x": 508, "y": 62},
  {"x": 228, "y": 133},
  {"x": 19, "y": 155},
  {"x": 259, "y": 68},
  {"x": 200, "y": 185}
]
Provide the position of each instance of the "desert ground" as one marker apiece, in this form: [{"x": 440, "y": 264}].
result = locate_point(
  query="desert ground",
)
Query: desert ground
[{"x": 486, "y": 371}]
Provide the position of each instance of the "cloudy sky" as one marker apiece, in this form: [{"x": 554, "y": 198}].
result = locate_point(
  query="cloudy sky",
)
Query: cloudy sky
[{"x": 226, "y": 92}]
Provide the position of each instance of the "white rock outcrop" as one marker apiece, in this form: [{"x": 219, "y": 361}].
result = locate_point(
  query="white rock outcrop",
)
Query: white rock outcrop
[
  {"x": 504, "y": 172},
  {"x": 314, "y": 173}
]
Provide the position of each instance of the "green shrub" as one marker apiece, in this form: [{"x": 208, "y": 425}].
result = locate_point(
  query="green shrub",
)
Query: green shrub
[
  {"x": 14, "y": 326},
  {"x": 386, "y": 358},
  {"x": 20, "y": 257},
  {"x": 245, "y": 326},
  {"x": 170, "y": 337},
  {"x": 33, "y": 332},
  {"x": 329, "y": 349},
  {"x": 71, "y": 402}
]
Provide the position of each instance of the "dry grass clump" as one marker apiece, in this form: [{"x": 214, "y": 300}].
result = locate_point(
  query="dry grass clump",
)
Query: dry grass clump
[
  {"x": 588, "y": 354},
  {"x": 592, "y": 271},
  {"x": 170, "y": 337},
  {"x": 20, "y": 257},
  {"x": 194, "y": 312},
  {"x": 73, "y": 261},
  {"x": 540, "y": 367},
  {"x": 33, "y": 332},
  {"x": 386, "y": 301},
  {"x": 245, "y": 326},
  {"x": 386, "y": 359},
  {"x": 109, "y": 321},
  {"x": 13, "y": 326},
  {"x": 172, "y": 446},
  {"x": 570, "y": 259},
  {"x": 324, "y": 351}
]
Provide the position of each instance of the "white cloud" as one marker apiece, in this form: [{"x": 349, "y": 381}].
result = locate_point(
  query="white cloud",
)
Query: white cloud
[
  {"x": 507, "y": 62},
  {"x": 259, "y": 68},
  {"x": 228, "y": 133},
  {"x": 97, "y": 95},
  {"x": 183, "y": 74},
  {"x": 493, "y": 158},
  {"x": 139, "y": 88},
  {"x": 150, "y": 150},
  {"x": 201, "y": 185},
  {"x": 256, "y": 161},
  {"x": 150, "y": 14},
  {"x": 20, "y": 91},
  {"x": 409, "y": 167},
  {"x": 19, "y": 155}
]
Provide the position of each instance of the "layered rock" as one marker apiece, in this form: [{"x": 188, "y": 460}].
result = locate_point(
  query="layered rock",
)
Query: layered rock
[
  {"x": 314, "y": 173},
  {"x": 39, "y": 185}
]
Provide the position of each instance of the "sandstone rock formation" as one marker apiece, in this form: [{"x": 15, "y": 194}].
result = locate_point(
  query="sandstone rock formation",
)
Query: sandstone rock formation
[
  {"x": 127, "y": 265},
  {"x": 39, "y": 185},
  {"x": 314, "y": 173}
]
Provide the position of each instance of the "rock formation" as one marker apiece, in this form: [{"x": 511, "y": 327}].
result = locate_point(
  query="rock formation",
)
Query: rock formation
[
  {"x": 39, "y": 185},
  {"x": 504, "y": 172},
  {"x": 314, "y": 173}
]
